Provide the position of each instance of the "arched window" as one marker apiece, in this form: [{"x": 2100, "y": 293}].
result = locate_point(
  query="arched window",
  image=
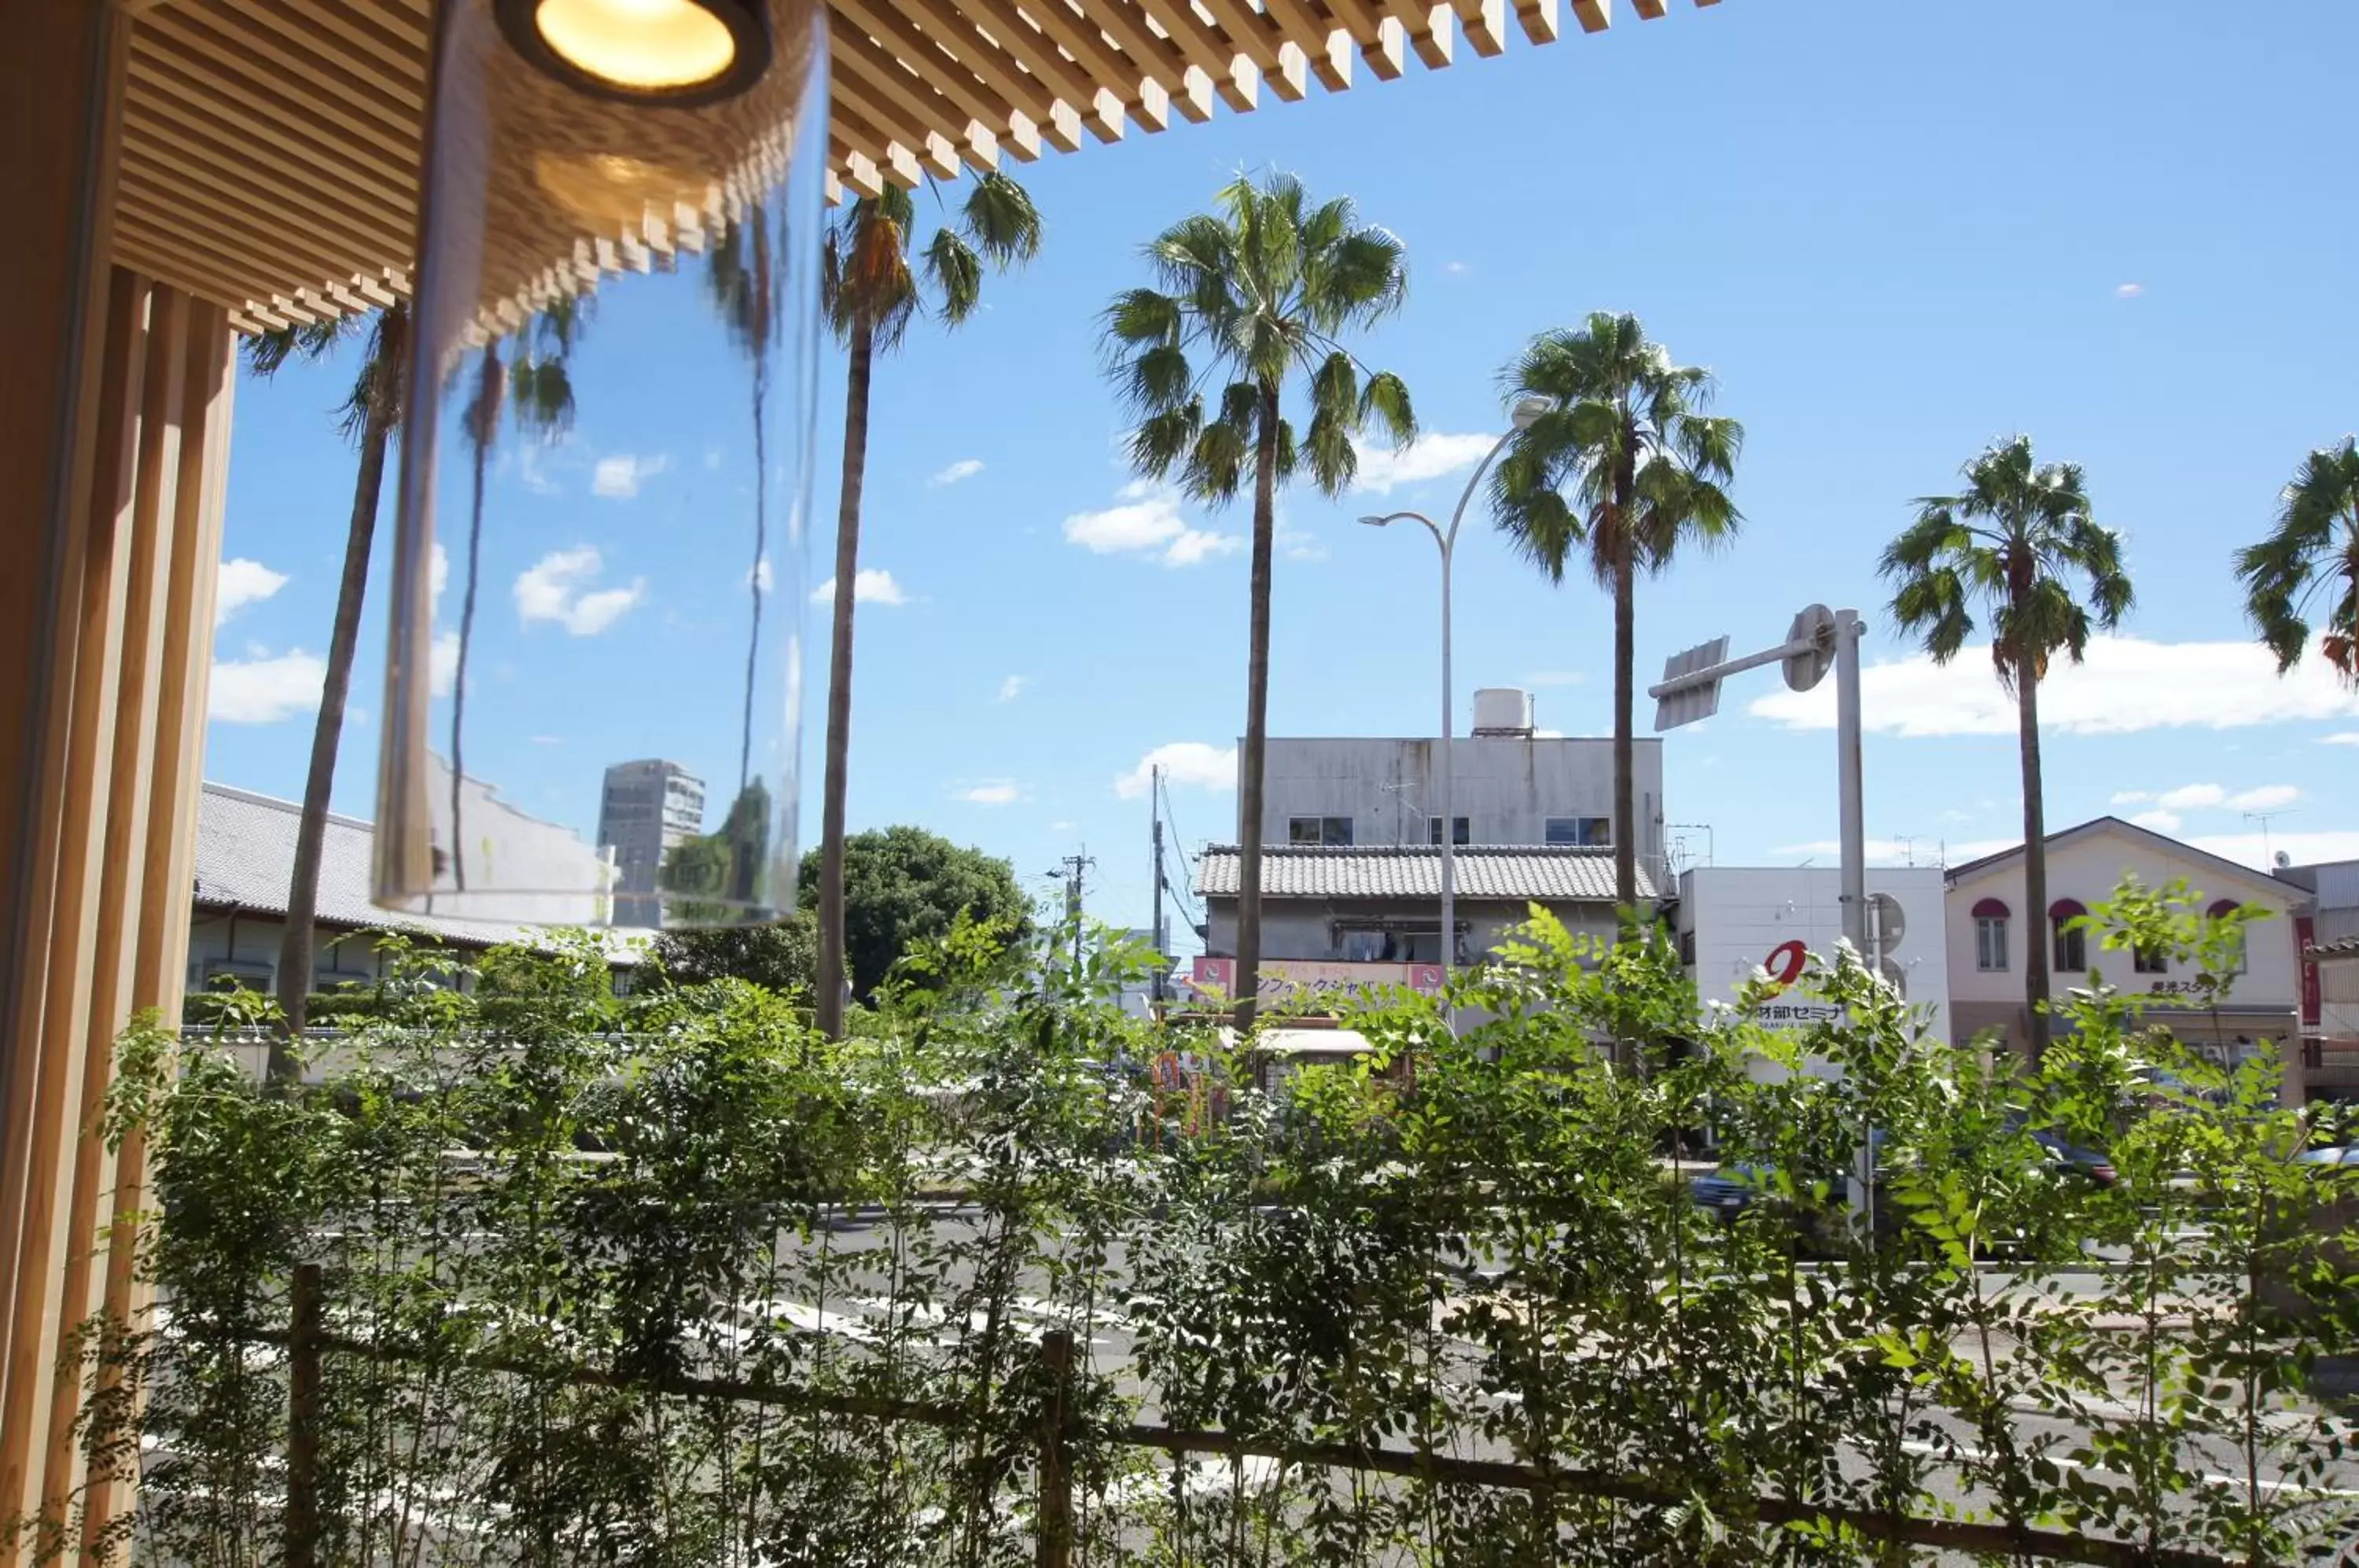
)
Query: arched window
[
  {"x": 1990, "y": 935},
  {"x": 2071, "y": 942}
]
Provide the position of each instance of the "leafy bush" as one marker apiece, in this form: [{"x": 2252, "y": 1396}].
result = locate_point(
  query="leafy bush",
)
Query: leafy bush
[{"x": 717, "y": 1290}]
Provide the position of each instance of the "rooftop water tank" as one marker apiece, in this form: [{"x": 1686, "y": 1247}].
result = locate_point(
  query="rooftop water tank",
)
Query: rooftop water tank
[{"x": 1503, "y": 711}]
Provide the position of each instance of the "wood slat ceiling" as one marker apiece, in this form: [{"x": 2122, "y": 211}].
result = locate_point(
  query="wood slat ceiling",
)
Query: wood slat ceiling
[{"x": 270, "y": 147}]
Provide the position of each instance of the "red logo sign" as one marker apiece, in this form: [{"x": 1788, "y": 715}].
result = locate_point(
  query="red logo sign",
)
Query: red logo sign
[{"x": 1784, "y": 963}]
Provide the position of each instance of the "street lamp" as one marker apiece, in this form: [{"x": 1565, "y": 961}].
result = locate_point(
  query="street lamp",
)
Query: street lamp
[{"x": 1528, "y": 410}]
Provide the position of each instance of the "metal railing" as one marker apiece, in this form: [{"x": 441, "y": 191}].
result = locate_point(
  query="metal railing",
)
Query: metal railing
[{"x": 1061, "y": 1431}]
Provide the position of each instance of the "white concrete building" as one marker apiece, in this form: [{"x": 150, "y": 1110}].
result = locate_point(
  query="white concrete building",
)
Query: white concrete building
[
  {"x": 1509, "y": 785},
  {"x": 1735, "y": 922},
  {"x": 1989, "y": 925}
]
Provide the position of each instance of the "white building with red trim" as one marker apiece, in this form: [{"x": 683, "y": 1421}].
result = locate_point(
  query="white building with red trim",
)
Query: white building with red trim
[{"x": 1990, "y": 924}]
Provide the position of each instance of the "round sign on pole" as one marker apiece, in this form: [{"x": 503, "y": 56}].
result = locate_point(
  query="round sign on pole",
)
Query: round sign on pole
[
  {"x": 1815, "y": 625},
  {"x": 1885, "y": 924}
]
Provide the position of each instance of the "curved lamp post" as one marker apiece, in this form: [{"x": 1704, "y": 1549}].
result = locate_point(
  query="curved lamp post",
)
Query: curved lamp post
[{"x": 1527, "y": 411}]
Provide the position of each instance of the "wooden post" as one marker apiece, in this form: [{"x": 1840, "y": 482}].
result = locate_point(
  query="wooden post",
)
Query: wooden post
[
  {"x": 302, "y": 1521},
  {"x": 1055, "y": 1515}
]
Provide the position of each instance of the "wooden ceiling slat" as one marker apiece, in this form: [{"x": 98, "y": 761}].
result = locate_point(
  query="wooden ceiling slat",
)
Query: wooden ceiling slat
[
  {"x": 884, "y": 29},
  {"x": 397, "y": 68},
  {"x": 206, "y": 153},
  {"x": 239, "y": 77},
  {"x": 271, "y": 146}
]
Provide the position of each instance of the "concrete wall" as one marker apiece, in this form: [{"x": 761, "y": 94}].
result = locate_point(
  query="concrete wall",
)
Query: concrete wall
[
  {"x": 1506, "y": 787},
  {"x": 2087, "y": 868},
  {"x": 1733, "y": 918}
]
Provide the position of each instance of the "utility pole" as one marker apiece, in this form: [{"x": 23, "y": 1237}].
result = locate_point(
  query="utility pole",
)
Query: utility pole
[
  {"x": 1070, "y": 870},
  {"x": 1155, "y": 807}
]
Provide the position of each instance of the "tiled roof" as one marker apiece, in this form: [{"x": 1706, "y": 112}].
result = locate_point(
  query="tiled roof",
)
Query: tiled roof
[
  {"x": 2341, "y": 948},
  {"x": 246, "y": 858},
  {"x": 1539, "y": 873}
]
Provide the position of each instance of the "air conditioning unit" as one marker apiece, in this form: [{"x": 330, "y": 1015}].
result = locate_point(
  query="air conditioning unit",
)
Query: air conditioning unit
[{"x": 1503, "y": 711}]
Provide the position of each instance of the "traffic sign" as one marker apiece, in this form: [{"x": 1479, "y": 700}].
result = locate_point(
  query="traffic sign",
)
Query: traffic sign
[
  {"x": 1815, "y": 626},
  {"x": 1689, "y": 703}
]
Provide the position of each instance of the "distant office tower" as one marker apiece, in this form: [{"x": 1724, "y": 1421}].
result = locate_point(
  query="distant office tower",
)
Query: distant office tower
[{"x": 649, "y": 807}]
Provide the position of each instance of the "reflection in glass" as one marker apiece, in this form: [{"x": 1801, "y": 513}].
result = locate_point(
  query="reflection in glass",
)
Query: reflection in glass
[{"x": 597, "y": 610}]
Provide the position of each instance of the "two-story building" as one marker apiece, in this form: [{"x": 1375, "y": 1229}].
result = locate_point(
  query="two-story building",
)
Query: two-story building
[
  {"x": 1990, "y": 924},
  {"x": 1351, "y": 861}
]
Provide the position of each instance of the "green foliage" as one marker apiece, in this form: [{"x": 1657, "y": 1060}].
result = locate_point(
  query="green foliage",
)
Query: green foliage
[
  {"x": 904, "y": 887},
  {"x": 693, "y": 1294},
  {"x": 1261, "y": 293},
  {"x": 781, "y": 956},
  {"x": 2314, "y": 546},
  {"x": 2017, "y": 541}
]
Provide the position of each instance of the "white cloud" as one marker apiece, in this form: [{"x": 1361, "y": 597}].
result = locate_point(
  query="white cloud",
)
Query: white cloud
[
  {"x": 547, "y": 740},
  {"x": 2264, "y": 797},
  {"x": 618, "y": 477},
  {"x": 2343, "y": 737},
  {"x": 243, "y": 582},
  {"x": 2257, "y": 850},
  {"x": 965, "y": 468},
  {"x": 1183, "y": 762},
  {"x": 437, "y": 571},
  {"x": 760, "y": 576},
  {"x": 1297, "y": 544},
  {"x": 1146, "y": 519},
  {"x": 2190, "y": 796},
  {"x": 442, "y": 665},
  {"x": 1429, "y": 456},
  {"x": 263, "y": 687},
  {"x": 555, "y": 588},
  {"x": 1012, "y": 688},
  {"x": 1554, "y": 678},
  {"x": 2128, "y": 685},
  {"x": 996, "y": 792},
  {"x": 873, "y": 585},
  {"x": 2158, "y": 820},
  {"x": 1455, "y": 269},
  {"x": 2129, "y": 290},
  {"x": 2131, "y": 798}
]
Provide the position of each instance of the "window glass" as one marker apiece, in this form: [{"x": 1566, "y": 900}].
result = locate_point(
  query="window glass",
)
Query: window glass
[
  {"x": 1583, "y": 833},
  {"x": 2152, "y": 960},
  {"x": 1989, "y": 941},
  {"x": 1458, "y": 834},
  {"x": 2071, "y": 948}
]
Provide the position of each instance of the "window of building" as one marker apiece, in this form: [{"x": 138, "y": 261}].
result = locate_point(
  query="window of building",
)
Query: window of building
[
  {"x": 1458, "y": 834},
  {"x": 2152, "y": 961},
  {"x": 1328, "y": 831},
  {"x": 2237, "y": 961},
  {"x": 1990, "y": 935},
  {"x": 1584, "y": 832},
  {"x": 2071, "y": 942},
  {"x": 1687, "y": 947}
]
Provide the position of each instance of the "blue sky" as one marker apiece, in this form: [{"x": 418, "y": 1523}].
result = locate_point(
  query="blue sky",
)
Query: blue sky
[{"x": 1895, "y": 232}]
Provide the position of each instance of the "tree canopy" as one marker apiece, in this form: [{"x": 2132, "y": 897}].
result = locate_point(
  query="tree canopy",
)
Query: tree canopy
[{"x": 903, "y": 886}]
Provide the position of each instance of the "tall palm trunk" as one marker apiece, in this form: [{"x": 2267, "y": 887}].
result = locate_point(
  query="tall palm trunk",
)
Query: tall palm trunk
[
  {"x": 830, "y": 984},
  {"x": 2035, "y": 860},
  {"x": 1249, "y": 767},
  {"x": 294, "y": 974},
  {"x": 482, "y": 423},
  {"x": 1625, "y": 667}
]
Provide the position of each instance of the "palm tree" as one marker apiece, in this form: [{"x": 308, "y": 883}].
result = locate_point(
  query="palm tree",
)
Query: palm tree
[
  {"x": 1261, "y": 291},
  {"x": 2018, "y": 542},
  {"x": 539, "y": 389},
  {"x": 870, "y": 291},
  {"x": 369, "y": 415},
  {"x": 2316, "y": 544},
  {"x": 1625, "y": 467}
]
